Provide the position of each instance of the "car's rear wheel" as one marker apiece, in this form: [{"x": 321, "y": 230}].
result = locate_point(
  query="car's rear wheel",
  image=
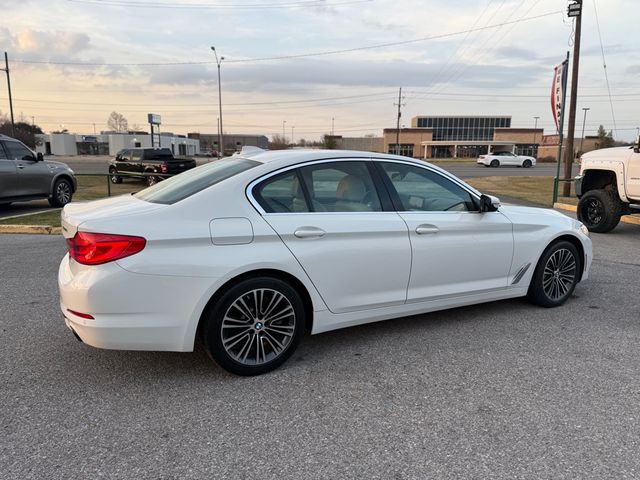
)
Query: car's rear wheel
[
  {"x": 556, "y": 275},
  {"x": 255, "y": 326},
  {"x": 495, "y": 163},
  {"x": 152, "y": 180},
  {"x": 527, "y": 164},
  {"x": 600, "y": 210},
  {"x": 113, "y": 176},
  {"x": 62, "y": 193}
]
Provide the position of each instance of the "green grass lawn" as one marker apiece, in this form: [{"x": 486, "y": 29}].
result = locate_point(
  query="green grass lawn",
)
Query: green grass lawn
[
  {"x": 50, "y": 218},
  {"x": 537, "y": 190},
  {"x": 92, "y": 187}
]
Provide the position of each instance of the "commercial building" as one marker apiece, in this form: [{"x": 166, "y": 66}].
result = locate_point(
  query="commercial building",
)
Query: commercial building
[
  {"x": 232, "y": 142},
  {"x": 460, "y": 137},
  {"x": 109, "y": 143}
]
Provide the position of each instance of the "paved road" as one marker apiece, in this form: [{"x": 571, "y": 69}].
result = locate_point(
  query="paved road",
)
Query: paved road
[{"x": 502, "y": 390}]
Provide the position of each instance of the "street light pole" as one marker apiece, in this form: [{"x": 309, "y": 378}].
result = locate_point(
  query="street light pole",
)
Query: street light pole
[
  {"x": 584, "y": 120},
  {"x": 292, "y": 127},
  {"x": 220, "y": 131},
  {"x": 283, "y": 134},
  {"x": 6, "y": 69}
]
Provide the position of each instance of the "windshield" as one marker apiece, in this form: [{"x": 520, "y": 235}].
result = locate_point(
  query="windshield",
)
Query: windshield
[{"x": 192, "y": 181}]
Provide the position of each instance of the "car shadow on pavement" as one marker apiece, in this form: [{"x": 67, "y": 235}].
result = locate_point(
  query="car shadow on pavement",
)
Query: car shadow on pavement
[{"x": 316, "y": 352}]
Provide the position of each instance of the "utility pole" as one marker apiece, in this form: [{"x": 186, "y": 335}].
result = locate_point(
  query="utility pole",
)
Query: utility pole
[
  {"x": 6, "y": 69},
  {"x": 220, "y": 131},
  {"x": 292, "y": 127},
  {"x": 284, "y": 122},
  {"x": 332, "y": 125},
  {"x": 575, "y": 10},
  {"x": 584, "y": 120},
  {"x": 535, "y": 129},
  {"x": 400, "y": 105}
]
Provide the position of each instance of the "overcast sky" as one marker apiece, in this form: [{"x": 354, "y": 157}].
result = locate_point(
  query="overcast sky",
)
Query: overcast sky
[{"x": 505, "y": 70}]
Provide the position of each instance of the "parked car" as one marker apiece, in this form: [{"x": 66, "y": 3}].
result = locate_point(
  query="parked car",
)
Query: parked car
[
  {"x": 608, "y": 186},
  {"x": 497, "y": 159},
  {"x": 25, "y": 175},
  {"x": 249, "y": 252},
  {"x": 144, "y": 162}
]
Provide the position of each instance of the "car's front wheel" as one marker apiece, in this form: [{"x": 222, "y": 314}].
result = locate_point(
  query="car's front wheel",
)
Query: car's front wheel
[
  {"x": 113, "y": 176},
  {"x": 556, "y": 275},
  {"x": 62, "y": 193},
  {"x": 527, "y": 164},
  {"x": 255, "y": 326},
  {"x": 600, "y": 210}
]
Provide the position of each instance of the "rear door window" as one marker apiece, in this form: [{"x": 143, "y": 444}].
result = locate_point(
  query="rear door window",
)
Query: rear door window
[{"x": 282, "y": 194}]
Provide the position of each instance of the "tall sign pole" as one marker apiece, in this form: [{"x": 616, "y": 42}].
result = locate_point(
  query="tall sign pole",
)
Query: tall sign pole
[
  {"x": 6, "y": 69},
  {"x": 558, "y": 97},
  {"x": 575, "y": 11}
]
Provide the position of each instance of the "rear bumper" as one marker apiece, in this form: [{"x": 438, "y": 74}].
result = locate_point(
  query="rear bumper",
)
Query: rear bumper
[{"x": 131, "y": 311}]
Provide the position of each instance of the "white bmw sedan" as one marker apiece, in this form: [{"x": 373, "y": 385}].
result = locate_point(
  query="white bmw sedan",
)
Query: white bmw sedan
[
  {"x": 496, "y": 159},
  {"x": 250, "y": 252}
]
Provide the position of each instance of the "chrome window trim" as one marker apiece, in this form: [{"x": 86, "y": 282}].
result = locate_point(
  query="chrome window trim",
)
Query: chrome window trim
[{"x": 446, "y": 175}]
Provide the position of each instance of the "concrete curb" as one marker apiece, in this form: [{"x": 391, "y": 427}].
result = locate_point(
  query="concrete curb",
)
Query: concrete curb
[
  {"x": 572, "y": 208},
  {"x": 31, "y": 229}
]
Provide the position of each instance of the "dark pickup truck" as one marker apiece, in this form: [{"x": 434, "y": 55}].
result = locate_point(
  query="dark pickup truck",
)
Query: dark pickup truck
[{"x": 144, "y": 162}]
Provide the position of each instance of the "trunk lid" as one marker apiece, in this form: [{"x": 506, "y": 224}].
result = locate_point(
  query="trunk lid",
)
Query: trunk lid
[{"x": 76, "y": 213}]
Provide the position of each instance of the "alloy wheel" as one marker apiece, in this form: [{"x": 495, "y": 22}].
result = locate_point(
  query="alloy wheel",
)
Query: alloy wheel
[
  {"x": 559, "y": 274},
  {"x": 63, "y": 193},
  {"x": 258, "y": 327},
  {"x": 594, "y": 210}
]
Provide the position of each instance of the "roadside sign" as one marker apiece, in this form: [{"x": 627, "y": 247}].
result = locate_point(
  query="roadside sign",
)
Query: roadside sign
[{"x": 153, "y": 118}]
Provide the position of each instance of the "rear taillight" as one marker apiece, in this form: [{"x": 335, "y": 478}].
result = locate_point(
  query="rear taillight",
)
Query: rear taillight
[
  {"x": 163, "y": 168},
  {"x": 98, "y": 248}
]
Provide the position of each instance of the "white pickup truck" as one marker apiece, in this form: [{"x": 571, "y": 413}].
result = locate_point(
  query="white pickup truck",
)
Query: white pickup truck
[{"x": 608, "y": 187}]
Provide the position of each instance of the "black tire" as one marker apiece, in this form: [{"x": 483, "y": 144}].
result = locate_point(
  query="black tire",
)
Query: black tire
[
  {"x": 495, "y": 163},
  {"x": 556, "y": 275},
  {"x": 600, "y": 210},
  {"x": 151, "y": 180},
  {"x": 62, "y": 193},
  {"x": 278, "y": 337},
  {"x": 113, "y": 176},
  {"x": 527, "y": 164}
]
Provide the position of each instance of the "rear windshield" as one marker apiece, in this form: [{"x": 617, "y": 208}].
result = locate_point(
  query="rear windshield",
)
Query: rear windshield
[{"x": 192, "y": 181}]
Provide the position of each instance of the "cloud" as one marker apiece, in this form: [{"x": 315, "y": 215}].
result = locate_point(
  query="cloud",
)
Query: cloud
[
  {"x": 54, "y": 42},
  {"x": 633, "y": 69},
  {"x": 516, "y": 53}
]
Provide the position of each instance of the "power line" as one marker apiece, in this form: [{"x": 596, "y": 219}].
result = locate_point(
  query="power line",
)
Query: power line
[
  {"x": 208, "y": 6},
  {"x": 604, "y": 66},
  {"x": 301, "y": 55}
]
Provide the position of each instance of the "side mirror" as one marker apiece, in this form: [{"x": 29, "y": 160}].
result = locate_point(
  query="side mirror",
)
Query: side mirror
[
  {"x": 39, "y": 157},
  {"x": 636, "y": 147},
  {"x": 489, "y": 203}
]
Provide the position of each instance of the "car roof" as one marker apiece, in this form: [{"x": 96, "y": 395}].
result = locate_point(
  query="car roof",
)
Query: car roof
[
  {"x": 291, "y": 157},
  {"x": 7, "y": 138}
]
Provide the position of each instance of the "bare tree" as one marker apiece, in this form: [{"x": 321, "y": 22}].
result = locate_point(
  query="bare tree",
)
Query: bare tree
[
  {"x": 117, "y": 122},
  {"x": 278, "y": 142}
]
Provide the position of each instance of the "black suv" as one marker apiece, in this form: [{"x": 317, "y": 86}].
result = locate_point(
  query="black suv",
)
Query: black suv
[
  {"x": 144, "y": 162},
  {"x": 25, "y": 175}
]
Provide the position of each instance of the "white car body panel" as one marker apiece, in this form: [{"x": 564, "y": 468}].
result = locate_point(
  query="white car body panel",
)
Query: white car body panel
[
  {"x": 360, "y": 271},
  {"x": 509, "y": 160},
  {"x": 470, "y": 253}
]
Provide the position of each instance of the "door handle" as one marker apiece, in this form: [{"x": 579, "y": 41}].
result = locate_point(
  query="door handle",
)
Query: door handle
[
  {"x": 21, "y": 167},
  {"x": 426, "y": 229},
  {"x": 309, "y": 232}
]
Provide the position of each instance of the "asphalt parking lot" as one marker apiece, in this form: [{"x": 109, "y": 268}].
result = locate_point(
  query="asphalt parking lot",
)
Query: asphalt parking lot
[{"x": 501, "y": 390}]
